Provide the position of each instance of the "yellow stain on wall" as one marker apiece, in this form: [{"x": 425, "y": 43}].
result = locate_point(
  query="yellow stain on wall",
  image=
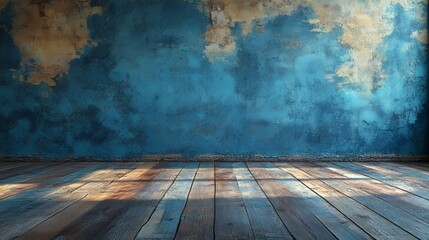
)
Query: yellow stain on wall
[
  {"x": 365, "y": 24},
  {"x": 49, "y": 35}
]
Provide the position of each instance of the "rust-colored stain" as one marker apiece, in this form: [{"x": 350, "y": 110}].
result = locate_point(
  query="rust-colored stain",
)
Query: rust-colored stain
[
  {"x": 365, "y": 24},
  {"x": 49, "y": 35}
]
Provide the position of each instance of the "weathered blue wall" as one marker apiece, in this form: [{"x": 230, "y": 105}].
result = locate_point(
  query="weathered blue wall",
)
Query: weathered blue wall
[{"x": 145, "y": 83}]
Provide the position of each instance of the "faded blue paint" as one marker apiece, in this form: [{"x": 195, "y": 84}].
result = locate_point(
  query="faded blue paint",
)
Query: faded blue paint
[{"x": 147, "y": 88}]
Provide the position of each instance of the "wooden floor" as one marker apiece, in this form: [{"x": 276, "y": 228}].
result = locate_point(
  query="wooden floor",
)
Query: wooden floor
[{"x": 223, "y": 200}]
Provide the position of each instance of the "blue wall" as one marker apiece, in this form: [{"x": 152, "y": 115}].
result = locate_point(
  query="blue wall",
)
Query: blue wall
[{"x": 147, "y": 88}]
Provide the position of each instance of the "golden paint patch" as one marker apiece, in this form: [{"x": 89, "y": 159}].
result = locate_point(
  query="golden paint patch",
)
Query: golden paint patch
[
  {"x": 218, "y": 35},
  {"x": 364, "y": 24},
  {"x": 225, "y": 14},
  {"x": 49, "y": 35}
]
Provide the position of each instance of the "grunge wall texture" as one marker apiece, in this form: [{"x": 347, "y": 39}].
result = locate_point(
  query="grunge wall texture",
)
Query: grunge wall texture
[{"x": 271, "y": 77}]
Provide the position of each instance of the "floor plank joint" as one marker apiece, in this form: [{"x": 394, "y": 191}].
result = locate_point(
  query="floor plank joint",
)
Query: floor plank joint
[{"x": 214, "y": 200}]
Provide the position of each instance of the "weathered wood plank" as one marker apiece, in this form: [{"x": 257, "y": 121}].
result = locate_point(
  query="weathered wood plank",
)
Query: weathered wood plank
[
  {"x": 372, "y": 223},
  {"x": 139, "y": 209},
  {"x": 79, "y": 201},
  {"x": 17, "y": 204},
  {"x": 37, "y": 181},
  {"x": 114, "y": 202},
  {"x": 413, "y": 204},
  {"x": 198, "y": 216},
  {"x": 404, "y": 184},
  {"x": 5, "y": 167},
  {"x": 350, "y": 188},
  {"x": 293, "y": 211},
  {"x": 58, "y": 198},
  {"x": 424, "y": 175},
  {"x": 421, "y": 166},
  {"x": 22, "y": 172},
  {"x": 408, "y": 179},
  {"x": 119, "y": 200},
  {"x": 165, "y": 219},
  {"x": 414, "y": 189},
  {"x": 333, "y": 219},
  {"x": 24, "y": 179},
  {"x": 264, "y": 220},
  {"x": 388, "y": 181},
  {"x": 231, "y": 220}
]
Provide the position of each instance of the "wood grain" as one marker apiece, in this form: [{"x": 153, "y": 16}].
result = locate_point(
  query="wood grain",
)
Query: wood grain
[
  {"x": 165, "y": 219},
  {"x": 231, "y": 220},
  {"x": 350, "y": 188},
  {"x": 198, "y": 216},
  {"x": 334, "y": 220},
  {"x": 208, "y": 200},
  {"x": 294, "y": 212},
  {"x": 64, "y": 219},
  {"x": 262, "y": 215},
  {"x": 372, "y": 223}
]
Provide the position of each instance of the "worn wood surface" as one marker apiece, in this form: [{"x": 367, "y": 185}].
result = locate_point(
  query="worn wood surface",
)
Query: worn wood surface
[
  {"x": 214, "y": 200},
  {"x": 197, "y": 220},
  {"x": 232, "y": 221}
]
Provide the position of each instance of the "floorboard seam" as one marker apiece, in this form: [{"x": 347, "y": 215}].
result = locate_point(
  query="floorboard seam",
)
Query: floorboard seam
[
  {"x": 214, "y": 199},
  {"x": 327, "y": 200},
  {"x": 269, "y": 200},
  {"x": 363, "y": 205},
  {"x": 187, "y": 198},
  {"x": 154, "y": 209},
  {"x": 243, "y": 202},
  {"x": 385, "y": 183}
]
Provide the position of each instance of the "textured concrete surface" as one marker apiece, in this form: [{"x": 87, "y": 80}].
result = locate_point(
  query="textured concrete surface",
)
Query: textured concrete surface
[{"x": 115, "y": 79}]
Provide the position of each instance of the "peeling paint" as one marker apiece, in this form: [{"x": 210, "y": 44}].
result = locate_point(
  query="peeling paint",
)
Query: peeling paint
[
  {"x": 365, "y": 24},
  {"x": 50, "y": 39},
  {"x": 172, "y": 79}
]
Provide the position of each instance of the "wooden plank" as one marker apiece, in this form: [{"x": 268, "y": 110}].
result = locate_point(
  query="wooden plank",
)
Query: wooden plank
[
  {"x": 413, "y": 204},
  {"x": 334, "y": 220},
  {"x": 410, "y": 166},
  {"x": 79, "y": 202},
  {"x": 406, "y": 184},
  {"x": 231, "y": 220},
  {"x": 37, "y": 181},
  {"x": 91, "y": 179},
  {"x": 138, "y": 211},
  {"x": 421, "y": 166},
  {"x": 16, "y": 205},
  {"x": 113, "y": 202},
  {"x": 165, "y": 219},
  {"x": 12, "y": 165},
  {"x": 404, "y": 169},
  {"x": 264, "y": 220},
  {"x": 395, "y": 174},
  {"x": 293, "y": 211},
  {"x": 198, "y": 216},
  {"x": 372, "y": 223},
  {"x": 414, "y": 189},
  {"x": 350, "y": 188},
  {"x": 24, "y": 171},
  {"x": 21, "y": 179}
]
